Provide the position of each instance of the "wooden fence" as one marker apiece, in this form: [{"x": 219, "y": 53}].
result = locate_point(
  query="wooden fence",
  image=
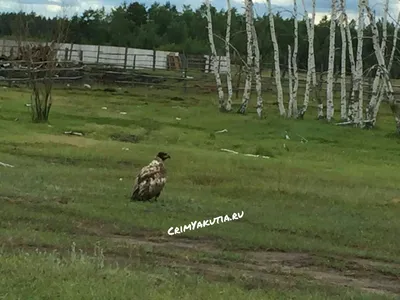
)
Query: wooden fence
[{"x": 122, "y": 57}]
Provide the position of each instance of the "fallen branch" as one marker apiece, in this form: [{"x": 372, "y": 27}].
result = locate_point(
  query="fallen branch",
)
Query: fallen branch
[
  {"x": 222, "y": 131},
  {"x": 245, "y": 154},
  {"x": 346, "y": 123},
  {"x": 230, "y": 151},
  {"x": 6, "y": 165},
  {"x": 73, "y": 133},
  {"x": 352, "y": 122}
]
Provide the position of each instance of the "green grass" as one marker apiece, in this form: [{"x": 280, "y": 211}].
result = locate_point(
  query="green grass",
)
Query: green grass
[
  {"x": 81, "y": 277},
  {"x": 334, "y": 198}
]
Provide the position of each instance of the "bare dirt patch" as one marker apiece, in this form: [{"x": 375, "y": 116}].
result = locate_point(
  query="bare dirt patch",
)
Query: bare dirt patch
[
  {"x": 255, "y": 268},
  {"x": 251, "y": 269}
]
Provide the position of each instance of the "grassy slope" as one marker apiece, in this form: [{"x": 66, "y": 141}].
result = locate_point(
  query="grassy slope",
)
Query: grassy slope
[{"x": 334, "y": 195}]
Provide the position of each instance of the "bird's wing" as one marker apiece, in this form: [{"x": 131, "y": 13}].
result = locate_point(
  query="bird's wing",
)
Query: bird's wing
[{"x": 149, "y": 171}]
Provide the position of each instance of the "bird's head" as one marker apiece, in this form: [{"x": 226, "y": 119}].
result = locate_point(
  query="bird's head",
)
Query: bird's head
[{"x": 163, "y": 155}]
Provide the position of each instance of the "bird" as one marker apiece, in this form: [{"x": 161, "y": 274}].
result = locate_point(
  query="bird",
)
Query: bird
[{"x": 151, "y": 179}]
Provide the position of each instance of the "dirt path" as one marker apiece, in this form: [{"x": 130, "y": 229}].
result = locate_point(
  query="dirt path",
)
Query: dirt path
[{"x": 258, "y": 268}]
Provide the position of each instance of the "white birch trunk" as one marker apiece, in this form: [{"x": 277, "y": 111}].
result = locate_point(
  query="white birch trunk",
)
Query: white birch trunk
[
  {"x": 249, "y": 63},
  {"x": 228, "y": 106},
  {"x": 350, "y": 103},
  {"x": 294, "y": 61},
  {"x": 214, "y": 57},
  {"x": 279, "y": 90},
  {"x": 390, "y": 64},
  {"x": 311, "y": 78},
  {"x": 329, "y": 89},
  {"x": 385, "y": 74},
  {"x": 320, "y": 109},
  {"x": 257, "y": 74},
  {"x": 357, "y": 90},
  {"x": 290, "y": 106},
  {"x": 343, "y": 96},
  {"x": 395, "y": 35},
  {"x": 307, "y": 91},
  {"x": 350, "y": 48},
  {"x": 377, "y": 84}
]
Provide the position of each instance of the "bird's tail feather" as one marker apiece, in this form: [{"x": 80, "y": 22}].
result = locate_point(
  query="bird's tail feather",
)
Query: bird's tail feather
[{"x": 135, "y": 194}]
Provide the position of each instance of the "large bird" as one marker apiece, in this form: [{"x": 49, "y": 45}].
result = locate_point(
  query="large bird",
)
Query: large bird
[{"x": 151, "y": 179}]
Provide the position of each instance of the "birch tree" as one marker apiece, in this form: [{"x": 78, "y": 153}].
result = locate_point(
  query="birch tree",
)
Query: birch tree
[
  {"x": 381, "y": 63},
  {"x": 279, "y": 90},
  {"x": 331, "y": 62},
  {"x": 356, "y": 97},
  {"x": 291, "y": 95},
  {"x": 221, "y": 100},
  {"x": 228, "y": 106},
  {"x": 294, "y": 60},
  {"x": 343, "y": 96},
  {"x": 378, "y": 84},
  {"x": 250, "y": 58},
  {"x": 257, "y": 74},
  {"x": 311, "y": 79},
  {"x": 351, "y": 56},
  {"x": 375, "y": 109}
]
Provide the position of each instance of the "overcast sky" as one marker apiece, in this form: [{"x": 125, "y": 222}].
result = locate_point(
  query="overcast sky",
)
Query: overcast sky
[{"x": 51, "y": 8}]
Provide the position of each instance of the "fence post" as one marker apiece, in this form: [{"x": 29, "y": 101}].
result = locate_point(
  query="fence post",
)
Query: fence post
[
  {"x": 134, "y": 61},
  {"x": 126, "y": 57},
  {"x": 238, "y": 81},
  {"x": 154, "y": 59},
  {"x": 81, "y": 63},
  {"x": 3, "y": 48},
  {"x": 219, "y": 64},
  {"x": 98, "y": 54},
  {"x": 66, "y": 54},
  {"x": 184, "y": 67},
  {"x": 70, "y": 51}
]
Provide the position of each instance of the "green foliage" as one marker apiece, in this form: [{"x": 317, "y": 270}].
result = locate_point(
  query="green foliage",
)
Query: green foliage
[{"x": 164, "y": 27}]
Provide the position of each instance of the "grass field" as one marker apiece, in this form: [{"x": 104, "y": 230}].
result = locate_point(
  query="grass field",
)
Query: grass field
[{"x": 321, "y": 217}]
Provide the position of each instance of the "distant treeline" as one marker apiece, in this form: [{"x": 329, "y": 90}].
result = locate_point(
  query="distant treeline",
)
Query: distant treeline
[{"x": 162, "y": 27}]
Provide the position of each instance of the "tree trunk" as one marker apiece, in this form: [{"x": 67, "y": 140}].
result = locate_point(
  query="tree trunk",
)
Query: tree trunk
[
  {"x": 257, "y": 74},
  {"x": 343, "y": 95},
  {"x": 311, "y": 79},
  {"x": 329, "y": 88},
  {"x": 357, "y": 91},
  {"x": 290, "y": 106},
  {"x": 279, "y": 90},
  {"x": 249, "y": 64},
  {"x": 352, "y": 65},
  {"x": 377, "y": 92},
  {"x": 222, "y": 105},
  {"x": 228, "y": 106},
  {"x": 294, "y": 60},
  {"x": 385, "y": 74},
  {"x": 395, "y": 35}
]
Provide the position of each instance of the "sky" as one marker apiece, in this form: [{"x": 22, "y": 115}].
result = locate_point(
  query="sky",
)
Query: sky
[{"x": 52, "y": 8}]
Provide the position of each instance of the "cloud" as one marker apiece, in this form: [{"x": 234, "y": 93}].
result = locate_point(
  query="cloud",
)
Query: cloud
[{"x": 52, "y": 8}]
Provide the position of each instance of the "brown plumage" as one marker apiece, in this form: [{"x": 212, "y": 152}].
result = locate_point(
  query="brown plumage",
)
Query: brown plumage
[{"x": 151, "y": 179}]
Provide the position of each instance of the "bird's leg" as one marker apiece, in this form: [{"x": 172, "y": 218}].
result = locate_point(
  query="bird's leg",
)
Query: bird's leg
[{"x": 158, "y": 195}]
